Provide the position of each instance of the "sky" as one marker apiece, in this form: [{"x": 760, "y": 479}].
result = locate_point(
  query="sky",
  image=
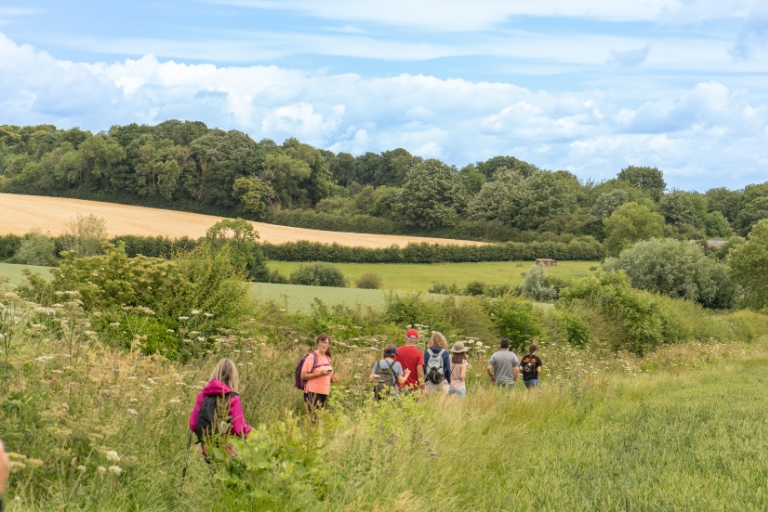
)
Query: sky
[{"x": 586, "y": 86}]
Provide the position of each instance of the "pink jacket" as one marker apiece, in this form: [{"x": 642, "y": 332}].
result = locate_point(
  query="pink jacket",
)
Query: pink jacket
[{"x": 215, "y": 387}]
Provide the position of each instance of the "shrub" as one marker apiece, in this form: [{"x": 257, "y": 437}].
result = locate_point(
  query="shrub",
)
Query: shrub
[
  {"x": 9, "y": 244},
  {"x": 319, "y": 274},
  {"x": 444, "y": 289},
  {"x": 240, "y": 238},
  {"x": 36, "y": 249},
  {"x": 370, "y": 281},
  {"x": 748, "y": 266},
  {"x": 475, "y": 288},
  {"x": 514, "y": 319},
  {"x": 86, "y": 232},
  {"x": 676, "y": 269},
  {"x": 644, "y": 321},
  {"x": 576, "y": 331},
  {"x": 535, "y": 285}
]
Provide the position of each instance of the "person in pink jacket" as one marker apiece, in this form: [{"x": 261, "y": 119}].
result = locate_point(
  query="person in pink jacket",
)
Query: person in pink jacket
[{"x": 223, "y": 380}]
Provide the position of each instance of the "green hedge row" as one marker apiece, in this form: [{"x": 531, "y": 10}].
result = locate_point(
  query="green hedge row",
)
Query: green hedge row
[
  {"x": 329, "y": 222},
  {"x": 9, "y": 244},
  {"x": 433, "y": 253},
  {"x": 154, "y": 246}
]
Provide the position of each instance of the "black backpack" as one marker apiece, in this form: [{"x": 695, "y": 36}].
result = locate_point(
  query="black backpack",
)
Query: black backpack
[
  {"x": 387, "y": 379},
  {"x": 211, "y": 419}
]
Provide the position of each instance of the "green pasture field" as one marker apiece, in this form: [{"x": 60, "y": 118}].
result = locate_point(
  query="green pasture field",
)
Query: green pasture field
[
  {"x": 420, "y": 277},
  {"x": 14, "y": 271},
  {"x": 300, "y": 298}
]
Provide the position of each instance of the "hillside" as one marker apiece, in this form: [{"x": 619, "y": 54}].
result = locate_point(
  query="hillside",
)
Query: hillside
[{"x": 22, "y": 213}]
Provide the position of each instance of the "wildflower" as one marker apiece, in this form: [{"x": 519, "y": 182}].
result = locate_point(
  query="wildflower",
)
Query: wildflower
[
  {"x": 183, "y": 318},
  {"x": 207, "y": 315},
  {"x": 133, "y": 411},
  {"x": 115, "y": 470},
  {"x": 44, "y": 359},
  {"x": 35, "y": 463},
  {"x": 174, "y": 401},
  {"x": 195, "y": 312},
  {"x": 200, "y": 338},
  {"x": 17, "y": 466},
  {"x": 17, "y": 456},
  {"x": 81, "y": 468},
  {"x": 115, "y": 324},
  {"x": 133, "y": 400},
  {"x": 112, "y": 456},
  {"x": 101, "y": 469},
  {"x": 170, "y": 331}
]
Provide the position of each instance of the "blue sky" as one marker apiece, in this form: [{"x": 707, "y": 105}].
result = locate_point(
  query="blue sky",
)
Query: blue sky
[{"x": 586, "y": 86}]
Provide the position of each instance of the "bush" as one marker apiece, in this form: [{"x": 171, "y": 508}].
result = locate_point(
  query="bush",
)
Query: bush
[
  {"x": 535, "y": 285},
  {"x": 370, "y": 281},
  {"x": 676, "y": 269},
  {"x": 319, "y": 274},
  {"x": 9, "y": 244},
  {"x": 514, "y": 319},
  {"x": 36, "y": 249},
  {"x": 748, "y": 266},
  {"x": 475, "y": 288},
  {"x": 576, "y": 331},
  {"x": 644, "y": 321},
  {"x": 86, "y": 232},
  {"x": 444, "y": 289}
]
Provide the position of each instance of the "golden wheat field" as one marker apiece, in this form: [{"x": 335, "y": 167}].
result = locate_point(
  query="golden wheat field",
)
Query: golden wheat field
[{"x": 20, "y": 214}]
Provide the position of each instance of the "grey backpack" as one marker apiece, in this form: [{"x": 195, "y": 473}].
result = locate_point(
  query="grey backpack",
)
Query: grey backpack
[
  {"x": 386, "y": 379},
  {"x": 434, "y": 371}
]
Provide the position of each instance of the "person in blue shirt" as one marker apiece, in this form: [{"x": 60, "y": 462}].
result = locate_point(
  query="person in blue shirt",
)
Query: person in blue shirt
[{"x": 437, "y": 365}]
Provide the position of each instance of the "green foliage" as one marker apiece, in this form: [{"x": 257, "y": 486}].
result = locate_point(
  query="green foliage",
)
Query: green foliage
[
  {"x": 254, "y": 194},
  {"x": 717, "y": 226},
  {"x": 535, "y": 285},
  {"x": 370, "y": 281},
  {"x": 9, "y": 244},
  {"x": 514, "y": 319},
  {"x": 85, "y": 236},
  {"x": 754, "y": 206},
  {"x": 432, "y": 196},
  {"x": 36, "y": 249},
  {"x": 647, "y": 179},
  {"x": 630, "y": 223},
  {"x": 606, "y": 204},
  {"x": 444, "y": 289},
  {"x": 644, "y": 321},
  {"x": 748, "y": 266},
  {"x": 676, "y": 269},
  {"x": 475, "y": 288},
  {"x": 318, "y": 274},
  {"x": 239, "y": 238},
  {"x": 575, "y": 330},
  {"x": 579, "y": 249}
]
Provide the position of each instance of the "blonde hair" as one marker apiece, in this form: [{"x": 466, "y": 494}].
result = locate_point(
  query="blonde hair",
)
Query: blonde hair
[
  {"x": 437, "y": 340},
  {"x": 226, "y": 372}
]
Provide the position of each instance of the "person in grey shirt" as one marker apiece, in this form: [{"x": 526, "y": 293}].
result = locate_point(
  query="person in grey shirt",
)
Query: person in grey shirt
[{"x": 503, "y": 367}]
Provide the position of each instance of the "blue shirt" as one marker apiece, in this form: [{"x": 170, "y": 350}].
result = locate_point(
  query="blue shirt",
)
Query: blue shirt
[{"x": 446, "y": 361}]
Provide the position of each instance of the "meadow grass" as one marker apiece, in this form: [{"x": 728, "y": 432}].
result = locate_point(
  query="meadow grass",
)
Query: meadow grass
[
  {"x": 13, "y": 271},
  {"x": 600, "y": 433},
  {"x": 421, "y": 276}
]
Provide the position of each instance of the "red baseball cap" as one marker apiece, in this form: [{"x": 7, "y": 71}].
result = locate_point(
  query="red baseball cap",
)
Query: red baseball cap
[{"x": 412, "y": 333}]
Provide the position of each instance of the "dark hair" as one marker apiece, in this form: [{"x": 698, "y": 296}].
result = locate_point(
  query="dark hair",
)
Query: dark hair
[
  {"x": 458, "y": 358},
  {"x": 322, "y": 336},
  {"x": 532, "y": 348},
  {"x": 505, "y": 343}
]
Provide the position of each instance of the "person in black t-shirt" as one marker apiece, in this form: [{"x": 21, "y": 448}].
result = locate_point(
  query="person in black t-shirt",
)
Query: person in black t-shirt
[{"x": 531, "y": 366}]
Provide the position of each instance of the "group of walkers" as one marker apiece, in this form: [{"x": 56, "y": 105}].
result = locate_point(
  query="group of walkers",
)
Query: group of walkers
[{"x": 401, "y": 370}]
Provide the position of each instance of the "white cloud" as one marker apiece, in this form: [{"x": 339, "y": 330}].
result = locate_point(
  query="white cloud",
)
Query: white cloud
[
  {"x": 629, "y": 58},
  {"x": 710, "y": 129},
  {"x": 460, "y": 15}
]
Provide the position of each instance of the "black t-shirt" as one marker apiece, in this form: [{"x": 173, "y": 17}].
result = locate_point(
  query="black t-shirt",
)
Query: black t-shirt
[{"x": 529, "y": 364}]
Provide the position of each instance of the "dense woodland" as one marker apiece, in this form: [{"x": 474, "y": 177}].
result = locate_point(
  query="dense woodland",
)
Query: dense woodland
[{"x": 188, "y": 166}]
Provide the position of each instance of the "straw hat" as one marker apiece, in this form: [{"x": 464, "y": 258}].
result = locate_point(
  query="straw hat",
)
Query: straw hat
[{"x": 458, "y": 348}]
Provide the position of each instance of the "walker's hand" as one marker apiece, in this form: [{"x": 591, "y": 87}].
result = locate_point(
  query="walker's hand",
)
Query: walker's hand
[
  {"x": 335, "y": 379},
  {"x": 407, "y": 373}
]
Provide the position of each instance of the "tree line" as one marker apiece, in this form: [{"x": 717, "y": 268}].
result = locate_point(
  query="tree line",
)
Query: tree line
[{"x": 188, "y": 166}]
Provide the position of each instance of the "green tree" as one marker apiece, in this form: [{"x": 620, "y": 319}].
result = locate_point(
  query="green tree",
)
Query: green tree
[
  {"x": 717, "y": 226},
  {"x": 631, "y": 223},
  {"x": 432, "y": 196},
  {"x": 472, "y": 179},
  {"x": 535, "y": 285},
  {"x": 685, "y": 211},
  {"x": 677, "y": 269},
  {"x": 754, "y": 207},
  {"x": 36, "y": 249},
  {"x": 254, "y": 194},
  {"x": 490, "y": 167},
  {"x": 605, "y": 205},
  {"x": 748, "y": 266},
  {"x": 648, "y": 179},
  {"x": 239, "y": 238},
  {"x": 724, "y": 201}
]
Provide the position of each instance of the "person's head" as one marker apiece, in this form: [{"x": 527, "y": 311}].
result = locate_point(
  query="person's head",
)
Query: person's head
[
  {"x": 226, "y": 372},
  {"x": 437, "y": 340},
  {"x": 532, "y": 349},
  {"x": 505, "y": 343},
  {"x": 323, "y": 342},
  {"x": 458, "y": 353},
  {"x": 390, "y": 351},
  {"x": 411, "y": 336}
]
